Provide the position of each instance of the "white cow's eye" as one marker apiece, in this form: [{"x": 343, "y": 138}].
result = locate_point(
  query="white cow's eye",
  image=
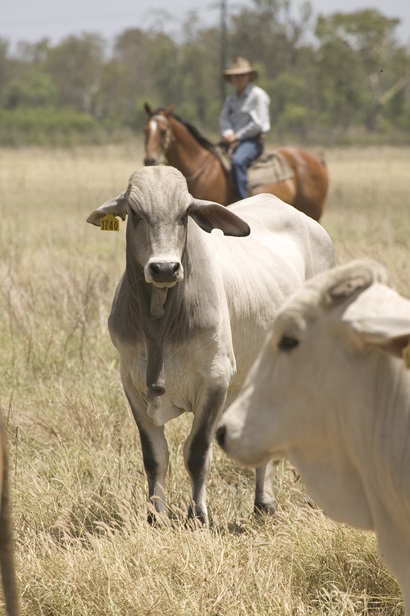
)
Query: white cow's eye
[
  {"x": 287, "y": 343},
  {"x": 134, "y": 216}
]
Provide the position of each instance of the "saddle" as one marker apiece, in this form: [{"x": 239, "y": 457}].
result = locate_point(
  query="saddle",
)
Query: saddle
[{"x": 268, "y": 168}]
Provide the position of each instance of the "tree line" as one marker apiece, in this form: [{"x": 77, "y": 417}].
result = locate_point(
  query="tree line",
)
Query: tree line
[{"x": 337, "y": 79}]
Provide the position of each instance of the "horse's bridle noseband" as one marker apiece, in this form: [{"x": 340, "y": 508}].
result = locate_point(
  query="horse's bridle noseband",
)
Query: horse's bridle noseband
[{"x": 169, "y": 137}]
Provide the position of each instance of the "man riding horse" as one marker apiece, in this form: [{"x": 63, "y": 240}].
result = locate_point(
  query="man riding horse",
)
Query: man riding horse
[
  {"x": 244, "y": 120},
  {"x": 294, "y": 175}
]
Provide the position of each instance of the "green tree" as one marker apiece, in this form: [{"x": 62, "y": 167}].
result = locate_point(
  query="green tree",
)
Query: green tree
[
  {"x": 354, "y": 75},
  {"x": 270, "y": 33},
  {"x": 143, "y": 67},
  {"x": 4, "y": 63},
  {"x": 355, "y": 49},
  {"x": 75, "y": 65},
  {"x": 35, "y": 90},
  {"x": 340, "y": 77},
  {"x": 199, "y": 99}
]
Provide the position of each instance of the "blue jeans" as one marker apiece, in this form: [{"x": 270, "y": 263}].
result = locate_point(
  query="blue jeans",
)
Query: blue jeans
[{"x": 245, "y": 153}]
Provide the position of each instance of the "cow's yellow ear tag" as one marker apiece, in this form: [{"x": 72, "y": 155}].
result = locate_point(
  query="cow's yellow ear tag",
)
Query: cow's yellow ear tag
[
  {"x": 406, "y": 356},
  {"x": 109, "y": 223}
]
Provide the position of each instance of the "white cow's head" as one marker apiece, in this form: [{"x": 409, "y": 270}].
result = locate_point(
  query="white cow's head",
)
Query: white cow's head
[
  {"x": 326, "y": 339},
  {"x": 158, "y": 204}
]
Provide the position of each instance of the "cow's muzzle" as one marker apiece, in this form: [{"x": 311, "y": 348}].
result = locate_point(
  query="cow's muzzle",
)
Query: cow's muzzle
[{"x": 165, "y": 272}]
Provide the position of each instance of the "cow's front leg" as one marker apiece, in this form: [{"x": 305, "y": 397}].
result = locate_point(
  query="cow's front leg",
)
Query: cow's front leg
[
  {"x": 265, "y": 501},
  {"x": 155, "y": 456},
  {"x": 198, "y": 450}
]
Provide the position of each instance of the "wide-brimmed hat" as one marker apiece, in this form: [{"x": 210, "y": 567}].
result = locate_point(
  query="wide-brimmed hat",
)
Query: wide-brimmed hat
[{"x": 241, "y": 66}]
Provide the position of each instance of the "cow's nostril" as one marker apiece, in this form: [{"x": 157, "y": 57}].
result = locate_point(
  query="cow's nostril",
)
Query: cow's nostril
[
  {"x": 165, "y": 272},
  {"x": 220, "y": 435}
]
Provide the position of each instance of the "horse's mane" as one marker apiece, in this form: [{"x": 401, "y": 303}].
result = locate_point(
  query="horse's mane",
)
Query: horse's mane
[{"x": 202, "y": 140}]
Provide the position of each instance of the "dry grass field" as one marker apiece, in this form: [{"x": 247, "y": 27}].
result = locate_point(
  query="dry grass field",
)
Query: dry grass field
[{"x": 78, "y": 488}]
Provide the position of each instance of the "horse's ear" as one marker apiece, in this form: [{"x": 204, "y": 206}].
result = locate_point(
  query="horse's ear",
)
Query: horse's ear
[
  {"x": 169, "y": 109},
  {"x": 148, "y": 109}
]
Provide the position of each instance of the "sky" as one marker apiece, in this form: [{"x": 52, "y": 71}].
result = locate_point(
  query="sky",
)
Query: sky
[{"x": 29, "y": 21}]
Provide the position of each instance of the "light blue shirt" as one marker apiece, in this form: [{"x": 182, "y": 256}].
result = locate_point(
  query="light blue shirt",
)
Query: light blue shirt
[{"x": 245, "y": 114}]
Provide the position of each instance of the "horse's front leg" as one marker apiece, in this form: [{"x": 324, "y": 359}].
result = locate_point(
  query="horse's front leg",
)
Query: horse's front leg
[
  {"x": 198, "y": 449},
  {"x": 265, "y": 501}
]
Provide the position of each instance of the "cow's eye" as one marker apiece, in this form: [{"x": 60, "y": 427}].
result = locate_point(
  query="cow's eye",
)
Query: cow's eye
[
  {"x": 287, "y": 343},
  {"x": 134, "y": 216}
]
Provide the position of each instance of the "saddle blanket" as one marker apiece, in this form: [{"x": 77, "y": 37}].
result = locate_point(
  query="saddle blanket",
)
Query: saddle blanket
[{"x": 269, "y": 168}]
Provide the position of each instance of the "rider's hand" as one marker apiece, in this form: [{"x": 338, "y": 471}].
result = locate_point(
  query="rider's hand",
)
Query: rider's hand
[{"x": 229, "y": 138}]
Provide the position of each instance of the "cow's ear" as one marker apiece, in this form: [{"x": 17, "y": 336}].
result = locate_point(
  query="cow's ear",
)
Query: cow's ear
[
  {"x": 389, "y": 334},
  {"x": 117, "y": 206},
  {"x": 380, "y": 317},
  {"x": 148, "y": 109},
  {"x": 209, "y": 216}
]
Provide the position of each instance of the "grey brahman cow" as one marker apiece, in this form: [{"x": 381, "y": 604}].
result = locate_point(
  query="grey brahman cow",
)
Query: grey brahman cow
[
  {"x": 331, "y": 392},
  {"x": 193, "y": 308}
]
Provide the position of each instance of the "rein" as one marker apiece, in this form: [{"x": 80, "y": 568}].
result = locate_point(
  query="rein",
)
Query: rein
[{"x": 201, "y": 169}]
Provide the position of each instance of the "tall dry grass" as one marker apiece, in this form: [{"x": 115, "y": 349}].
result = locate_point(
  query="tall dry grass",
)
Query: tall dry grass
[{"x": 83, "y": 545}]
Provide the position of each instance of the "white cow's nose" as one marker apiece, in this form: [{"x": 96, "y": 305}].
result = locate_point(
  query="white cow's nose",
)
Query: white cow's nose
[{"x": 164, "y": 272}]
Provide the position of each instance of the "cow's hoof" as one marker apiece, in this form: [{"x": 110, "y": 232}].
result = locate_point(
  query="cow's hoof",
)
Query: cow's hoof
[
  {"x": 157, "y": 519},
  {"x": 197, "y": 518},
  {"x": 266, "y": 507}
]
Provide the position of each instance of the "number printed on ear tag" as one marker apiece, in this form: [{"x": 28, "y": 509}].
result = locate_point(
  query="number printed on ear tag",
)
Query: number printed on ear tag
[
  {"x": 406, "y": 356},
  {"x": 109, "y": 223}
]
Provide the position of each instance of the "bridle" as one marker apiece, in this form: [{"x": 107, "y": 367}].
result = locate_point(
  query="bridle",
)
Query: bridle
[{"x": 169, "y": 136}]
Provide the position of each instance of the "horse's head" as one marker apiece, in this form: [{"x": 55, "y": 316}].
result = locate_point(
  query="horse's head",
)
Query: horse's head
[{"x": 158, "y": 135}]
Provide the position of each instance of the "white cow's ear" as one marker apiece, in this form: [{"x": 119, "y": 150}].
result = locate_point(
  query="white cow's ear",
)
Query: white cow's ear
[
  {"x": 380, "y": 317},
  {"x": 209, "y": 216},
  {"x": 389, "y": 333},
  {"x": 117, "y": 206}
]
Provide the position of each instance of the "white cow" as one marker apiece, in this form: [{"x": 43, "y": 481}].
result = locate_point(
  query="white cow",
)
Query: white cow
[
  {"x": 193, "y": 308},
  {"x": 330, "y": 391}
]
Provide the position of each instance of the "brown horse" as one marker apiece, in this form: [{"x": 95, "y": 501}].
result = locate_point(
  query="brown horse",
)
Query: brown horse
[{"x": 168, "y": 139}]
